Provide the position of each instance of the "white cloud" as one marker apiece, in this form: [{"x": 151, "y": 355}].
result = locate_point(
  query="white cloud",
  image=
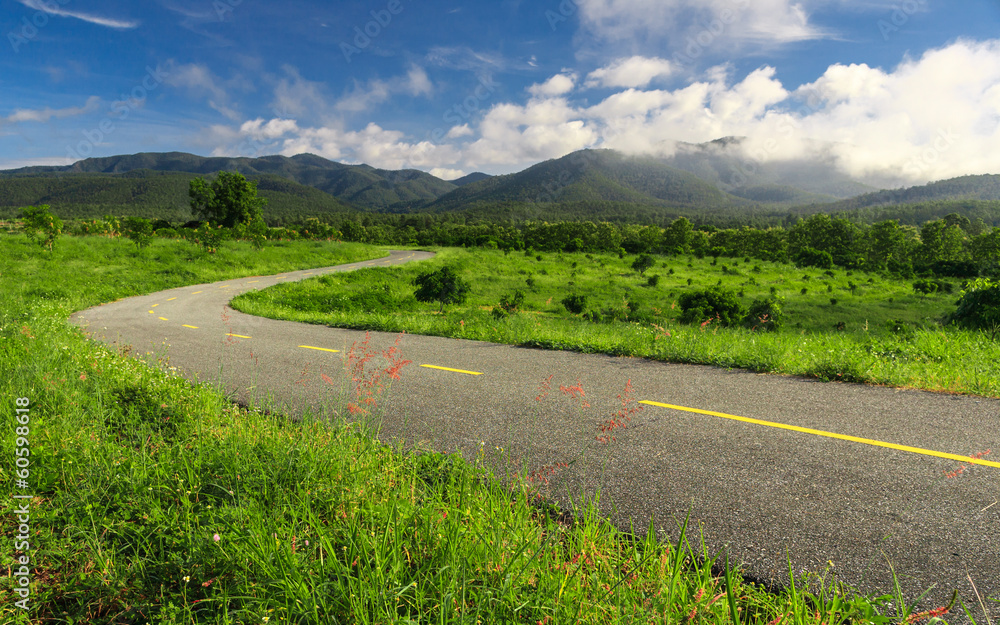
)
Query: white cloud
[
  {"x": 447, "y": 174},
  {"x": 46, "y": 114},
  {"x": 558, "y": 85},
  {"x": 877, "y": 124},
  {"x": 364, "y": 96},
  {"x": 636, "y": 71},
  {"x": 52, "y": 8},
  {"x": 683, "y": 22}
]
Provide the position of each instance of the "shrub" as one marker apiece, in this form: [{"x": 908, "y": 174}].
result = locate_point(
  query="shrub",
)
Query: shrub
[
  {"x": 512, "y": 303},
  {"x": 652, "y": 280},
  {"x": 712, "y": 303},
  {"x": 979, "y": 306},
  {"x": 932, "y": 286},
  {"x": 442, "y": 286},
  {"x": 900, "y": 328},
  {"x": 809, "y": 257},
  {"x": 643, "y": 263},
  {"x": 575, "y": 303},
  {"x": 765, "y": 314}
]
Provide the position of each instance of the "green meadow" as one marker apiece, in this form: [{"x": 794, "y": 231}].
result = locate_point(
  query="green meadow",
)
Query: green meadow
[
  {"x": 159, "y": 501},
  {"x": 835, "y": 324}
]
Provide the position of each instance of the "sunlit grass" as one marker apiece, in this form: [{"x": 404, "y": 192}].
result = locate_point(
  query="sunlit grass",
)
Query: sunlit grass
[
  {"x": 157, "y": 501},
  {"x": 849, "y": 340}
]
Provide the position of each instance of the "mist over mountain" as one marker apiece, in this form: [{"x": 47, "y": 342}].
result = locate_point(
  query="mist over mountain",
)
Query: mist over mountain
[{"x": 713, "y": 177}]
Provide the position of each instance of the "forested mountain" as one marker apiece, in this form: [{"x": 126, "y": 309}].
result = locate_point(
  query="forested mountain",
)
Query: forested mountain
[
  {"x": 590, "y": 176},
  {"x": 724, "y": 163},
  {"x": 150, "y": 194},
  {"x": 475, "y": 176},
  {"x": 361, "y": 185},
  {"x": 985, "y": 187}
]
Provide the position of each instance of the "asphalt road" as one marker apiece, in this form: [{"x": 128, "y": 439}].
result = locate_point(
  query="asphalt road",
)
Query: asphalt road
[{"x": 771, "y": 494}]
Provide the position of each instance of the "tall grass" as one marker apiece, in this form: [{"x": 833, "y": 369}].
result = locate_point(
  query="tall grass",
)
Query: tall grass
[
  {"x": 879, "y": 331},
  {"x": 158, "y": 501}
]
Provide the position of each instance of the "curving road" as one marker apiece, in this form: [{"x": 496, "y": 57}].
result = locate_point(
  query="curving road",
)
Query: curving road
[{"x": 778, "y": 468}]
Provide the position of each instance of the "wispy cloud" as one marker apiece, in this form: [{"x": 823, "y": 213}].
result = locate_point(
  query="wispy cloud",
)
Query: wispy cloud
[
  {"x": 46, "y": 114},
  {"x": 53, "y": 9}
]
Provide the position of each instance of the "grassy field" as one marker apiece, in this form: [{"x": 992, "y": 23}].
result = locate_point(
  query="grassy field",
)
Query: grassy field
[
  {"x": 838, "y": 325},
  {"x": 159, "y": 502}
]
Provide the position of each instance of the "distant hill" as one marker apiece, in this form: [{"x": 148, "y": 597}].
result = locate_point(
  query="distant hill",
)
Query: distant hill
[
  {"x": 361, "y": 185},
  {"x": 475, "y": 176},
  {"x": 985, "y": 187},
  {"x": 723, "y": 163},
  {"x": 151, "y": 194},
  {"x": 589, "y": 176}
]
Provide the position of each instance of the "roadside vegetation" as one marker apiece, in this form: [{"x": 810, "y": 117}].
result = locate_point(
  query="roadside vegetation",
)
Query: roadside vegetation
[
  {"x": 831, "y": 324},
  {"x": 158, "y": 501}
]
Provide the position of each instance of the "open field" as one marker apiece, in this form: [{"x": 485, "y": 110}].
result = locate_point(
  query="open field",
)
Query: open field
[
  {"x": 156, "y": 501},
  {"x": 838, "y": 325}
]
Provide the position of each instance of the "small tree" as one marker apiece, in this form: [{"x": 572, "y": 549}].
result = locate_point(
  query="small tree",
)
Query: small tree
[
  {"x": 643, "y": 263},
  {"x": 575, "y": 303},
  {"x": 979, "y": 306},
  {"x": 442, "y": 286},
  {"x": 139, "y": 230},
  {"x": 712, "y": 303},
  {"x": 41, "y": 225},
  {"x": 231, "y": 199}
]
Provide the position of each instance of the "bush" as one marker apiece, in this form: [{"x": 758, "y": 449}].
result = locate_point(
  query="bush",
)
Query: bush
[
  {"x": 575, "y": 303},
  {"x": 643, "y": 263},
  {"x": 442, "y": 286},
  {"x": 765, "y": 314},
  {"x": 809, "y": 257},
  {"x": 712, "y": 303},
  {"x": 979, "y": 306},
  {"x": 512, "y": 303},
  {"x": 652, "y": 280},
  {"x": 932, "y": 286}
]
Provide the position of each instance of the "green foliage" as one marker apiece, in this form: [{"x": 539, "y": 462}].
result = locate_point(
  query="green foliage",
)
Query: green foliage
[
  {"x": 811, "y": 257},
  {"x": 642, "y": 263},
  {"x": 715, "y": 303},
  {"x": 979, "y": 306},
  {"x": 765, "y": 314},
  {"x": 139, "y": 230},
  {"x": 927, "y": 287},
  {"x": 209, "y": 237},
  {"x": 575, "y": 303},
  {"x": 443, "y": 286},
  {"x": 231, "y": 199},
  {"x": 41, "y": 225},
  {"x": 652, "y": 281}
]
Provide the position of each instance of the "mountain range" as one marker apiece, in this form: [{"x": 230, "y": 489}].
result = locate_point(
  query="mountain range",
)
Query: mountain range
[{"x": 696, "y": 178}]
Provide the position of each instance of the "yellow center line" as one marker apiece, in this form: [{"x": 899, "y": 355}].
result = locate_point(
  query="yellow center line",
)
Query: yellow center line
[
  {"x": 308, "y": 274},
  {"x": 151, "y": 312},
  {"x": 187, "y": 326},
  {"x": 252, "y": 281},
  {"x": 239, "y": 336},
  {"x": 154, "y": 305},
  {"x": 173, "y": 298},
  {"x": 280, "y": 278},
  {"x": 322, "y": 349},
  {"x": 195, "y": 293},
  {"x": 164, "y": 319},
  {"x": 843, "y": 437},
  {"x": 224, "y": 286},
  {"x": 453, "y": 370}
]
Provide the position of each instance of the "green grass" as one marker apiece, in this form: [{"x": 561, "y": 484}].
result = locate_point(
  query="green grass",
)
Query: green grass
[
  {"x": 135, "y": 473},
  {"x": 923, "y": 354}
]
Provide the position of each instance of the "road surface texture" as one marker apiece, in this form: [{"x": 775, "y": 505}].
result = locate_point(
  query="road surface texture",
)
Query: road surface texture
[{"x": 769, "y": 492}]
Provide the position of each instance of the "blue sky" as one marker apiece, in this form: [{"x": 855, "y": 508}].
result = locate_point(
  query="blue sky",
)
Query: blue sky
[{"x": 893, "y": 91}]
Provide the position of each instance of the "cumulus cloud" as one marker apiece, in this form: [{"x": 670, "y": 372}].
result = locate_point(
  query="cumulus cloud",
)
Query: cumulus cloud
[
  {"x": 875, "y": 124},
  {"x": 636, "y": 71},
  {"x": 560, "y": 84},
  {"x": 447, "y": 174}
]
